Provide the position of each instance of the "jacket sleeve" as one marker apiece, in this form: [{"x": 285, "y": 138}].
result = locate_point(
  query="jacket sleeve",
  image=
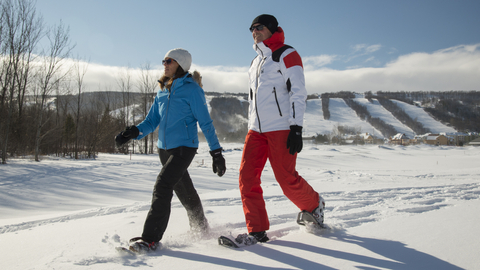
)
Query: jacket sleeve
[
  {"x": 199, "y": 108},
  {"x": 151, "y": 122},
  {"x": 292, "y": 69}
]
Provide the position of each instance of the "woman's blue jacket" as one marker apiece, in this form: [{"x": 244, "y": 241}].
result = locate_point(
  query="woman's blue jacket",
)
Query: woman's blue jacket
[{"x": 176, "y": 113}]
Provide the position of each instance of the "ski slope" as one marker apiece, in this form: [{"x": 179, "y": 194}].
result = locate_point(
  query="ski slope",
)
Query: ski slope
[
  {"x": 423, "y": 117},
  {"x": 377, "y": 110},
  {"x": 342, "y": 115}
]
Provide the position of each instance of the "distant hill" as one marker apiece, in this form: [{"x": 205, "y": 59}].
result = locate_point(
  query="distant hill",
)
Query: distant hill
[
  {"x": 382, "y": 114},
  {"x": 82, "y": 127},
  {"x": 344, "y": 115}
]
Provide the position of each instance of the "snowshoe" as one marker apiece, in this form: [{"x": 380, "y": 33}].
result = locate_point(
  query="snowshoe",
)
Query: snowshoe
[
  {"x": 316, "y": 217},
  {"x": 139, "y": 245},
  {"x": 227, "y": 242},
  {"x": 308, "y": 220},
  {"x": 243, "y": 239}
]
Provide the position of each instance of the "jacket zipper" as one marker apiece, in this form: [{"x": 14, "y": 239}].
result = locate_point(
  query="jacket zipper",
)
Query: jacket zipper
[
  {"x": 276, "y": 100},
  {"x": 259, "y": 68},
  {"x": 166, "y": 115}
]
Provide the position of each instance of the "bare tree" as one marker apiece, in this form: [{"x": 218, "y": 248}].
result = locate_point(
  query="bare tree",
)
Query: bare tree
[
  {"x": 20, "y": 32},
  {"x": 63, "y": 119},
  {"x": 124, "y": 82},
  {"x": 79, "y": 73},
  {"x": 50, "y": 73},
  {"x": 91, "y": 118},
  {"x": 147, "y": 85}
]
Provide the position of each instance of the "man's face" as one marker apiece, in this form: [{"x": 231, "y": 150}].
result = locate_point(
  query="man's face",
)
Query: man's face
[{"x": 260, "y": 35}]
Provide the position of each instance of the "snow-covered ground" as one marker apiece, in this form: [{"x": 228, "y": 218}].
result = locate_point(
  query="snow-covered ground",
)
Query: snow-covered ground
[{"x": 389, "y": 207}]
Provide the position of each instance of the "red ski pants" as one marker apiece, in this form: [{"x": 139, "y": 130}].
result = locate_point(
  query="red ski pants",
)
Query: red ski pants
[{"x": 257, "y": 149}]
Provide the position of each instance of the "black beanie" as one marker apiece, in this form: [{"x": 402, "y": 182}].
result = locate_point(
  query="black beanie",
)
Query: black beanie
[{"x": 268, "y": 20}]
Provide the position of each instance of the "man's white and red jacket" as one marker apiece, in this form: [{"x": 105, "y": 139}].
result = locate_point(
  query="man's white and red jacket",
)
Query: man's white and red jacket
[{"x": 277, "y": 95}]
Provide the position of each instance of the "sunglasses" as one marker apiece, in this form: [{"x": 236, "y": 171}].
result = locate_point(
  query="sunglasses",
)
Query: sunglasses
[
  {"x": 167, "y": 62},
  {"x": 258, "y": 27}
]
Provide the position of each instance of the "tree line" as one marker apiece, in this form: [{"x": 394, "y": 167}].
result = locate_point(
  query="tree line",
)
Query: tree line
[{"x": 43, "y": 103}]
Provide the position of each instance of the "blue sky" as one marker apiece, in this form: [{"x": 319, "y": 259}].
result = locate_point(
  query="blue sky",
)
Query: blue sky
[{"x": 331, "y": 36}]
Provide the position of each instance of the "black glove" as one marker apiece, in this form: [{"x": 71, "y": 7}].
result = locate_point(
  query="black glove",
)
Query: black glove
[
  {"x": 123, "y": 137},
  {"x": 218, "y": 162},
  {"x": 294, "y": 141}
]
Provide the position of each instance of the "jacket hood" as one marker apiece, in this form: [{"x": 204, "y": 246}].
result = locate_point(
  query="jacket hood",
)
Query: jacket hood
[{"x": 197, "y": 78}]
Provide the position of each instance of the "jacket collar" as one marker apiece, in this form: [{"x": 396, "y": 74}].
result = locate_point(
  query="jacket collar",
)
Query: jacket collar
[
  {"x": 180, "y": 81},
  {"x": 271, "y": 44}
]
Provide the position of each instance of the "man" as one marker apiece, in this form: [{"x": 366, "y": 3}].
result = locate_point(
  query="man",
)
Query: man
[{"x": 277, "y": 104}]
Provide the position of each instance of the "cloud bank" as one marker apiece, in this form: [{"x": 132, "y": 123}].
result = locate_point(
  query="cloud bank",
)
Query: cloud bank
[{"x": 455, "y": 68}]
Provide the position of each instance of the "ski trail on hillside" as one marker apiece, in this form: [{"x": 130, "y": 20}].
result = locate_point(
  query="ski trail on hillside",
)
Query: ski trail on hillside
[
  {"x": 423, "y": 117},
  {"x": 342, "y": 115},
  {"x": 376, "y": 110}
]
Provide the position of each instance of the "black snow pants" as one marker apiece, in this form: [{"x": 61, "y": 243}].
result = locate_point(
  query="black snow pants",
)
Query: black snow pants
[{"x": 173, "y": 177}]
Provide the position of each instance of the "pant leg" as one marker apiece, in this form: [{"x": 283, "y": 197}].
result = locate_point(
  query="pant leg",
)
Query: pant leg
[
  {"x": 188, "y": 196},
  {"x": 172, "y": 171},
  {"x": 252, "y": 163},
  {"x": 283, "y": 164}
]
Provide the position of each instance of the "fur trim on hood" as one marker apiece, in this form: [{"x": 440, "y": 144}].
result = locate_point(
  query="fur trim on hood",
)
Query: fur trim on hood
[{"x": 197, "y": 78}]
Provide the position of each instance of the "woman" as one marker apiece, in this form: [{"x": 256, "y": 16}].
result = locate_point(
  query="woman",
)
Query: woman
[{"x": 179, "y": 105}]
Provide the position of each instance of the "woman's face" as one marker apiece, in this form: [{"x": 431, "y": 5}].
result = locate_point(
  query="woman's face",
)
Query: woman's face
[{"x": 170, "y": 67}]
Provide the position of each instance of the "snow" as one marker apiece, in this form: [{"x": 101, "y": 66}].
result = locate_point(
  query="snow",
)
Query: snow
[
  {"x": 342, "y": 115},
  {"x": 389, "y": 207},
  {"x": 377, "y": 110},
  {"x": 423, "y": 117}
]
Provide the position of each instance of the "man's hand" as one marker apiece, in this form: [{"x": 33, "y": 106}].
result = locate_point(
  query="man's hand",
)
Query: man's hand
[{"x": 294, "y": 141}]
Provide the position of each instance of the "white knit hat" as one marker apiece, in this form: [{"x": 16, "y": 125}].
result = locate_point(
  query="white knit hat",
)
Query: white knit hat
[{"x": 183, "y": 58}]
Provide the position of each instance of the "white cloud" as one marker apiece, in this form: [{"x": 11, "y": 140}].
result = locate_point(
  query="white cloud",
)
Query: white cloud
[
  {"x": 360, "y": 50},
  {"x": 103, "y": 78},
  {"x": 366, "y": 49},
  {"x": 454, "y": 68},
  {"x": 315, "y": 62},
  {"x": 224, "y": 79},
  {"x": 98, "y": 77},
  {"x": 214, "y": 78},
  {"x": 370, "y": 59}
]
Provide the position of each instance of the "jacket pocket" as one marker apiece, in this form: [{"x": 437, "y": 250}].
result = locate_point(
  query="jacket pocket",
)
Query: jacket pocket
[{"x": 276, "y": 101}]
